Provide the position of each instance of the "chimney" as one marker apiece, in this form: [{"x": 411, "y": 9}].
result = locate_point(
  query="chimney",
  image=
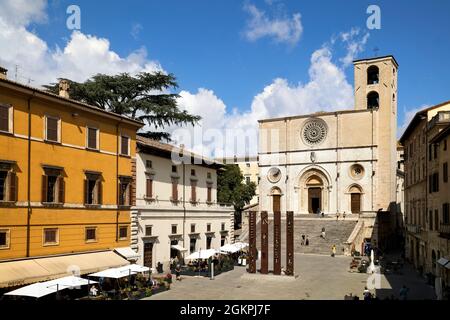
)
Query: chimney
[
  {"x": 64, "y": 86},
  {"x": 3, "y": 73}
]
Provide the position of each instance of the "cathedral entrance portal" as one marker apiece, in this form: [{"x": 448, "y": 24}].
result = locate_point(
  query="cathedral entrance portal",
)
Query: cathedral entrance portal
[
  {"x": 315, "y": 186},
  {"x": 314, "y": 191},
  {"x": 314, "y": 200}
]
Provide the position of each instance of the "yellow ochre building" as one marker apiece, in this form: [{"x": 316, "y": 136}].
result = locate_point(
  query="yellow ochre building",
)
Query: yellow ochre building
[{"x": 66, "y": 184}]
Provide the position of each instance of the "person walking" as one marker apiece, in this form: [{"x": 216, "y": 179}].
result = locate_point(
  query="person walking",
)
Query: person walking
[
  {"x": 302, "y": 243},
  {"x": 343, "y": 215},
  {"x": 333, "y": 250},
  {"x": 337, "y": 216},
  {"x": 323, "y": 214},
  {"x": 404, "y": 293},
  {"x": 307, "y": 241},
  {"x": 323, "y": 233},
  {"x": 366, "y": 294},
  {"x": 177, "y": 272}
]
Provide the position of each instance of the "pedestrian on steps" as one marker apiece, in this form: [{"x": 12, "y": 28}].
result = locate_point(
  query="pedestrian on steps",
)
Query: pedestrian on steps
[
  {"x": 337, "y": 216},
  {"x": 323, "y": 233},
  {"x": 307, "y": 241},
  {"x": 333, "y": 250},
  {"x": 303, "y": 240}
]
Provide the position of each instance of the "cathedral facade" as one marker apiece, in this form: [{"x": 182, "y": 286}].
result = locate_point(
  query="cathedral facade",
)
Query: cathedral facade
[{"x": 335, "y": 162}]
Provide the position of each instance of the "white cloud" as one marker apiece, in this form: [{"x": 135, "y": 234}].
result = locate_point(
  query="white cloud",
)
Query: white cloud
[
  {"x": 82, "y": 57},
  {"x": 282, "y": 30},
  {"x": 354, "y": 43},
  {"x": 23, "y": 12},
  {"x": 408, "y": 116},
  {"x": 136, "y": 30}
]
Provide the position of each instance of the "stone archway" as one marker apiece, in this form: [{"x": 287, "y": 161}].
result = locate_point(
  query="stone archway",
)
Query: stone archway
[{"x": 314, "y": 192}]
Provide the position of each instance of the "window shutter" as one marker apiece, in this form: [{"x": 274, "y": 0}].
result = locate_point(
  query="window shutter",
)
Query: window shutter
[
  {"x": 149, "y": 187},
  {"x": 86, "y": 190},
  {"x": 4, "y": 118},
  {"x": 99, "y": 192},
  {"x": 12, "y": 186},
  {"x": 52, "y": 129},
  {"x": 44, "y": 188},
  {"x": 209, "y": 193},
  {"x": 174, "y": 190},
  {"x": 193, "y": 191},
  {"x": 120, "y": 195},
  {"x": 61, "y": 190},
  {"x": 130, "y": 195}
]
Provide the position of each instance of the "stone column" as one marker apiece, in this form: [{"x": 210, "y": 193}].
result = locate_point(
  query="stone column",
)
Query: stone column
[
  {"x": 252, "y": 242},
  {"x": 290, "y": 243},
  {"x": 277, "y": 243},
  {"x": 264, "y": 243}
]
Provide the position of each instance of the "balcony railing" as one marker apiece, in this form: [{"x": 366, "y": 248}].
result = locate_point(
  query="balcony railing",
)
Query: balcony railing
[
  {"x": 413, "y": 228},
  {"x": 155, "y": 202},
  {"x": 444, "y": 230}
]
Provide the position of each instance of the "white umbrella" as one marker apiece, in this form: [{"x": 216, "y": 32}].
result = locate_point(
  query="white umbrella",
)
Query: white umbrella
[
  {"x": 35, "y": 290},
  {"x": 178, "y": 247},
  {"x": 40, "y": 289},
  {"x": 241, "y": 245},
  {"x": 229, "y": 248},
  {"x": 202, "y": 254},
  {"x": 67, "y": 282}
]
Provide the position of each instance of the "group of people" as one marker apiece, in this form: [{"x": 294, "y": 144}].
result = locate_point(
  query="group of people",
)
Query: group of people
[
  {"x": 338, "y": 215},
  {"x": 305, "y": 240}
]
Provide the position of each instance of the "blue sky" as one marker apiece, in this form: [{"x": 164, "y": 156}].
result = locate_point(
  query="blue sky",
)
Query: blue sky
[{"x": 205, "y": 44}]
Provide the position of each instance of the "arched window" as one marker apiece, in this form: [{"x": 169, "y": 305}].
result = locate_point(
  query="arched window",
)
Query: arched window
[
  {"x": 373, "y": 75},
  {"x": 373, "y": 100}
]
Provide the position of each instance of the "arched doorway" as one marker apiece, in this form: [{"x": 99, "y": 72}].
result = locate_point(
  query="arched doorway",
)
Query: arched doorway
[
  {"x": 276, "y": 199},
  {"x": 314, "y": 191},
  {"x": 355, "y": 198},
  {"x": 315, "y": 186}
]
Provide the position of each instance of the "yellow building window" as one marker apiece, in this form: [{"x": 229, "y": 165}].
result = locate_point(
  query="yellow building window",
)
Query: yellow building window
[
  {"x": 91, "y": 234},
  {"x": 8, "y": 183},
  {"x": 53, "y": 186},
  {"x": 52, "y": 129},
  {"x": 123, "y": 233},
  {"x": 125, "y": 145},
  {"x": 93, "y": 188},
  {"x": 4, "y": 239},
  {"x": 5, "y": 118},
  {"x": 51, "y": 237},
  {"x": 92, "y": 138}
]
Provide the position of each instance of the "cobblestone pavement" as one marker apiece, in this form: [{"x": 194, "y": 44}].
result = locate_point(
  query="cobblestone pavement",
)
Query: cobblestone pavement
[{"x": 318, "y": 277}]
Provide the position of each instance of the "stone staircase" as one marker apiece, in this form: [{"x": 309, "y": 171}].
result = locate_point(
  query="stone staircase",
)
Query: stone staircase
[{"x": 336, "y": 233}]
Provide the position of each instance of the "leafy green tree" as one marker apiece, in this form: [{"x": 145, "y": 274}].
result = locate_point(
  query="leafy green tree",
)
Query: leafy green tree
[
  {"x": 232, "y": 189},
  {"x": 142, "y": 97}
]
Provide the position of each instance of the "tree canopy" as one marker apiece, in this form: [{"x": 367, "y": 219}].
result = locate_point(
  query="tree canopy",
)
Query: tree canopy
[
  {"x": 142, "y": 97},
  {"x": 231, "y": 187}
]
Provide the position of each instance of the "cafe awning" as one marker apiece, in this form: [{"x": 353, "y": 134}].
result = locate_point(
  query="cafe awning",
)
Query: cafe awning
[
  {"x": 22, "y": 272},
  {"x": 202, "y": 254},
  {"x": 40, "y": 289},
  {"x": 178, "y": 247},
  {"x": 127, "y": 253},
  {"x": 444, "y": 262},
  {"x": 122, "y": 272}
]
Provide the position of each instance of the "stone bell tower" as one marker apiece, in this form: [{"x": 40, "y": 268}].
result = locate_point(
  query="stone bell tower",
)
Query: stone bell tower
[{"x": 376, "y": 89}]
